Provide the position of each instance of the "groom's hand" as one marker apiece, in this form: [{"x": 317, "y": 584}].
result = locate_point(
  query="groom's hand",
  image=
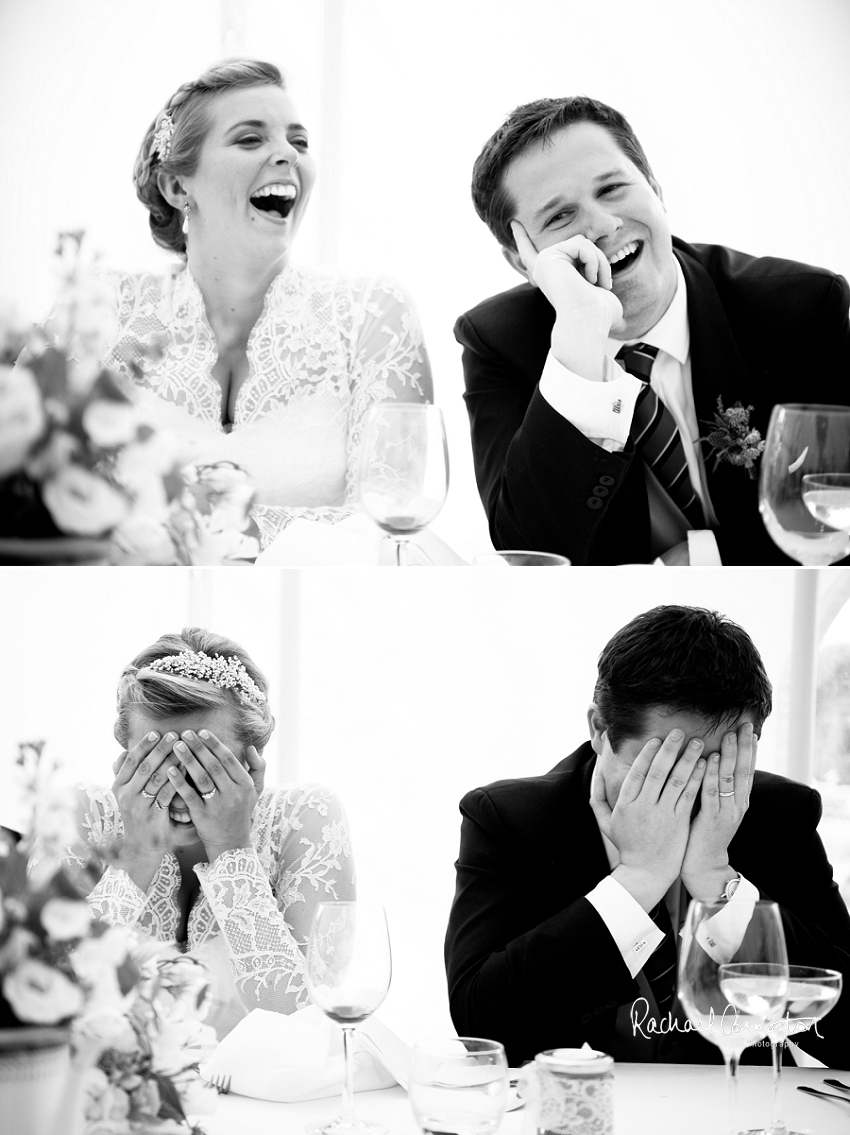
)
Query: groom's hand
[
  {"x": 575, "y": 277},
  {"x": 650, "y": 821},
  {"x": 724, "y": 799}
]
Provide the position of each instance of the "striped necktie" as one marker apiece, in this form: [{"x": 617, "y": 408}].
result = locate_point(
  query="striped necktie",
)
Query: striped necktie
[
  {"x": 657, "y": 437},
  {"x": 660, "y": 968}
]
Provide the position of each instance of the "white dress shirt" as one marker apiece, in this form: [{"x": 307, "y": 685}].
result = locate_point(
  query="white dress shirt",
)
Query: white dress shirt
[{"x": 603, "y": 412}]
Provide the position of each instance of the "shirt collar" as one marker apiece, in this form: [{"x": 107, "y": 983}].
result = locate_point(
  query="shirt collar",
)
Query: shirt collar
[{"x": 671, "y": 333}]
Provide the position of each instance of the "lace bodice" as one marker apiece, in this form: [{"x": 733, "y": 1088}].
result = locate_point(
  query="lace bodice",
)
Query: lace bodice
[
  {"x": 324, "y": 349},
  {"x": 252, "y": 917}
]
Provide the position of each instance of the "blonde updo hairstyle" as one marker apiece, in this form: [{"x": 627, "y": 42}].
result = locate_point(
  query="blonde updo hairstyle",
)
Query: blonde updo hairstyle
[
  {"x": 188, "y": 109},
  {"x": 159, "y": 694}
]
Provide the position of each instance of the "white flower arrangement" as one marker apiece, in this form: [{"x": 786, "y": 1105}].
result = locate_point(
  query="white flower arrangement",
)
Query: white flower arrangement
[
  {"x": 146, "y": 1076},
  {"x": 76, "y": 457},
  {"x": 133, "y": 1007}
]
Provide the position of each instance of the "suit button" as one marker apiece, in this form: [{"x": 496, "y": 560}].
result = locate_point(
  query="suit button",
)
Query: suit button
[
  {"x": 594, "y": 502},
  {"x": 606, "y": 480},
  {"x": 600, "y": 490}
]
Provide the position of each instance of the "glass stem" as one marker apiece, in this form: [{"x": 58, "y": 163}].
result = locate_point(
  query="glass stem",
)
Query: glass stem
[
  {"x": 347, "y": 1110},
  {"x": 732, "y": 1090},
  {"x": 399, "y": 547},
  {"x": 777, "y": 1124}
]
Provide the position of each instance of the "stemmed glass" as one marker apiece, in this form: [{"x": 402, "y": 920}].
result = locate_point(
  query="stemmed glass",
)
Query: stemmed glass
[
  {"x": 717, "y": 938},
  {"x": 348, "y": 976},
  {"x": 804, "y": 490},
  {"x": 458, "y": 1085},
  {"x": 403, "y": 476},
  {"x": 812, "y": 992}
]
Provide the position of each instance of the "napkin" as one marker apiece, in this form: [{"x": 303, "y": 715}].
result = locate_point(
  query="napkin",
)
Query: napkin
[
  {"x": 353, "y": 542},
  {"x": 270, "y": 1056}
]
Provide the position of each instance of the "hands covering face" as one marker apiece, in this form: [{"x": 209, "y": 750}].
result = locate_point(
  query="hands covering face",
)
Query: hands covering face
[
  {"x": 213, "y": 784},
  {"x": 651, "y": 825}
]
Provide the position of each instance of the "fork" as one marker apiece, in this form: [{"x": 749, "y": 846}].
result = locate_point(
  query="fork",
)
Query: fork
[
  {"x": 837, "y": 1084},
  {"x": 824, "y": 1095},
  {"x": 221, "y": 1084}
]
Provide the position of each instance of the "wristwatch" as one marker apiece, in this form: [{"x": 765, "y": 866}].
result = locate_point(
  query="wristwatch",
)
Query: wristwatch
[{"x": 730, "y": 889}]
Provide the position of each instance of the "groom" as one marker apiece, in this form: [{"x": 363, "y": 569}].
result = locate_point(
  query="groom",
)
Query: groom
[
  {"x": 577, "y": 454},
  {"x": 572, "y": 886}
]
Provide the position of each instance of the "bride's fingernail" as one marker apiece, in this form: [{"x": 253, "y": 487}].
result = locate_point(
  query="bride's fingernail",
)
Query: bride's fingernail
[{"x": 180, "y": 749}]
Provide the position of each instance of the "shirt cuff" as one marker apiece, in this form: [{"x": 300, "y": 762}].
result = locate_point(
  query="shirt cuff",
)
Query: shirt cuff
[
  {"x": 721, "y": 935},
  {"x": 634, "y": 932},
  {"x": 702, "y": 549},
  {"x": 602, "y": 411}
]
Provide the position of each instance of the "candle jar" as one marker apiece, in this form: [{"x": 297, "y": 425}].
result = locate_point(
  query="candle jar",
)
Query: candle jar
[{"x": 569, "y": 1091}]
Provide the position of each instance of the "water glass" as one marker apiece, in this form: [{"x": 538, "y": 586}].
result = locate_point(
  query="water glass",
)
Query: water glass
[
  {"x": 458, "y": 1085},
  {"x": 803, "y": 489}
]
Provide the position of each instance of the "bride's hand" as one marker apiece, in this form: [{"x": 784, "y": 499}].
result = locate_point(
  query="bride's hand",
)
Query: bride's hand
[
  {"x": 256, "y": 769},
  {"x": 222, "y": 800},
  {"x": 143, "y": 792}
]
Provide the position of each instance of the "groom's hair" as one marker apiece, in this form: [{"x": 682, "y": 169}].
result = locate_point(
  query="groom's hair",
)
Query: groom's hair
[
  {"x": 536, "y": 122},
  {"x": 685, "y": 659}
]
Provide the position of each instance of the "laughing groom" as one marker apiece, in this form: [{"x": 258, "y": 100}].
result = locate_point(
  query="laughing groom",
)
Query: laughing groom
[
  {"x": 571, "y": 885},
  {"x": 590, "y": 388}
]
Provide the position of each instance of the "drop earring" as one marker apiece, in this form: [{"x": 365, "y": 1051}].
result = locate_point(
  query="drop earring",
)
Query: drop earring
[{"x": 186, "y": 217}]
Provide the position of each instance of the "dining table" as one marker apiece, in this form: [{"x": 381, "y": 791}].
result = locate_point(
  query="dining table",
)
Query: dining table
[{"x": 649, "y": 1099}]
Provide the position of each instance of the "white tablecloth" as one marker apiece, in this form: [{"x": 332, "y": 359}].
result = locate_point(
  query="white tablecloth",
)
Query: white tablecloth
[{"x": 649, "y": 1099}]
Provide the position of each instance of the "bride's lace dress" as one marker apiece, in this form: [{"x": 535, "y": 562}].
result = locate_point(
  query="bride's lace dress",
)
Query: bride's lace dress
[
  {"x": 324, "y": 349},
  {"x": 251, "y": 919}
]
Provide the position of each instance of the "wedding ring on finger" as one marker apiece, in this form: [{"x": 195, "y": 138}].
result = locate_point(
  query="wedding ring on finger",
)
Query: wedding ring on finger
[
  {"x": 148, "y": 795},
  {"x": 726, "y": 793},
  {"x": 162, "y": 807},
  {"x": 210, "y": 794}
]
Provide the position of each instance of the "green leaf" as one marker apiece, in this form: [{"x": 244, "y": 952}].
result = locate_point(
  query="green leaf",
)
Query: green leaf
[{"x": 172, "y": 1107}]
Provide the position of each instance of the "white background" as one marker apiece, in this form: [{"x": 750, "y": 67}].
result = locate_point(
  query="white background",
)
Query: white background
[{"x": 741, "y": 105}]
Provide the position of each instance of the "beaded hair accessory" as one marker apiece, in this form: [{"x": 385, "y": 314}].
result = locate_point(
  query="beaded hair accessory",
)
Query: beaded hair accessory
[
  {"x": 228, "y": 673},
  {"x": 161, "y": 143}
]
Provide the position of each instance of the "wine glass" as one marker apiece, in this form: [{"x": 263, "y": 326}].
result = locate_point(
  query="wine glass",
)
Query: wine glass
[
  {"x": 717, "y": 937},
  {"x": 806, "y": 513},
  {"x": 812, "y": 992},
  {"x": 403, "y": 476},
  {"x": 348, "y": 976},
  {"x": 458, "y": 1085}
]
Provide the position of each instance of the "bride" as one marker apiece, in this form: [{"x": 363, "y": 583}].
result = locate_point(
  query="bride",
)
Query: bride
[
  {"x": 262, "y": 363},
  {"x": 194, "y": 851}
]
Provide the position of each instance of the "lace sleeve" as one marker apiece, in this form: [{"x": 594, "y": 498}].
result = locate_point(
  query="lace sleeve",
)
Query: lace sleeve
[
  {"x": 86, "y": 847},
  {"x": 264, "y": 914},
  {"x": 390, "y": 361}
]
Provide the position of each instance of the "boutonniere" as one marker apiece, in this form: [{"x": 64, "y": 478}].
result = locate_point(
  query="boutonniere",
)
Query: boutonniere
[{"x": 731, "y": 438}]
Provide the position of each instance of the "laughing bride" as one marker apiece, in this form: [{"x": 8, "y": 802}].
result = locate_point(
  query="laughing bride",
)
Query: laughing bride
[{"x": 261, "y": 363}]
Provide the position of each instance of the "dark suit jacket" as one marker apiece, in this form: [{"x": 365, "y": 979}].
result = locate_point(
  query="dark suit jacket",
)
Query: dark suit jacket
[
  {"x": 763, "y": 331},
  {"x": 530, "y": 961}
]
